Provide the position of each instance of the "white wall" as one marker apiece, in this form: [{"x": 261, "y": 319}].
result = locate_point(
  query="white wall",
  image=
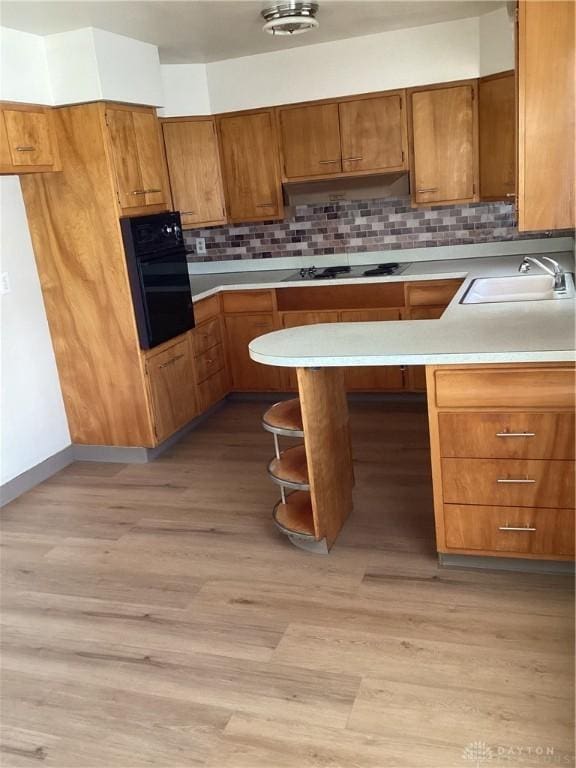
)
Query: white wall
[
  {"x": 23, "y": 68},
  {"x": 185, "y": 90},
  {"x": 33, "y": 423},
  {"x": 91, "y": 64},
  {"x": 497, "y": 52},
  {"x": 397, "y": 59}
]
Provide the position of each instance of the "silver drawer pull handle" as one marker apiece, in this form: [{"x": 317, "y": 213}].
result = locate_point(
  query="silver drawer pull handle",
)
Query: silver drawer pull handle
[
  {"x": 25, "y": 149},
  {"x": 328, "y": 162},
  {"x": 427, "y": 189},
  {"x": 516, "y": 480},
  {"x": 171, "y": 362},
  {"x": 351, "y": 159},
  {"x": 515, "y": 434},
  {"x": 516, "y": 528}
]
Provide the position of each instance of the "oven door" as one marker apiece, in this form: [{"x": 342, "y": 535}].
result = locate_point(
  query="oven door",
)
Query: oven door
[{"x": 166, "y": 298}]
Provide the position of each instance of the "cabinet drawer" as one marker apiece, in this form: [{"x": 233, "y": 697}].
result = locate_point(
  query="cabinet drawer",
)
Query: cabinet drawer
[
  {"x": 206, "y": 336},
  {"x": 247, "y": 301},
  {"x": 513, "y": 435},
  {"x": 212, "y": 390},
  {"x": 508, "y": 482},
  {"x": 491, "y": 529},
  {"x": 205, "y": 309},
  {"x": 432, "y": 293},
  {"x": 505, "y": 388},
  {"x": 209, "y": 363}
]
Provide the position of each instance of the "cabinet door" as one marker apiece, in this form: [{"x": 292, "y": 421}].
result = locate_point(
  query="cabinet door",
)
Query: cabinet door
[
  {"x": 444, "y": 144},
  {"x": 172, "y": 390},
  {"x": 246, "y": 374},
  {"x": 150, "y": 157},
  {"x": 546, "y": 106},
  {"x": 310, "y": 140},
  {"x": 294, "y": 319},
  {"x": 374, "y": 134},
  {"x": 497, "y": 136},
  {"x": 30, "y": 137},
  {"x": 371, "y": 378},
  {"x": 129, "y": 182},
  {"x": 250, "y": 166},
  {"x": 194, "y": 170}
]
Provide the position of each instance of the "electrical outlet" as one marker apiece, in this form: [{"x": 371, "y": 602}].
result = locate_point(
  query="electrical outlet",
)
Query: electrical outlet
[
  {"x": 4, "y": 283},
  {"x": 200, "y": 246}
]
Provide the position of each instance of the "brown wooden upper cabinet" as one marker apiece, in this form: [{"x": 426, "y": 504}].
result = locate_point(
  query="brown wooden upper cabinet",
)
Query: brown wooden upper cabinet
[
  {"x": 546, "y": 108},
  {"x": 194, "y": 170},
  {"x": 27, "y": 139},
  {"x": 349, "y": 137},
  {"x": 444, "y": 136},
  {"x": 138, "y": 158},
  {"x": 497, "y": 136},
  {"x": 250, "y": 164}
]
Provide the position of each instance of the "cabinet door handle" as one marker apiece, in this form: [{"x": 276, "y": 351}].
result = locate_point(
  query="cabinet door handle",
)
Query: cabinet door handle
[
  {"x": 150, "y": 191},
  {"x": 171, "y": 361},
  {"x": 188, "y": 213},
  {"x": 25, "y": 149},
  {"x": 516, "y": 528},
  {"x": 422, "y": 190},
  {"x": 328, "y": 162},
  {"x": 350, "y": 159},
  {"x": 521, "y": 480},
  {"x": 515, "y": 434},
  {"x": 138, "y": 192},
  {"x": 264, "y": 205},
  {"x": 510, "y": 194}
]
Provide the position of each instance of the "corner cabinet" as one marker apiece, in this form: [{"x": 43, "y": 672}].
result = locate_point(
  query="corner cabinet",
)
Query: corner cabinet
[
  {"x": 250, "y": 164},
  {"x": 443, "y": 126},
  {"x": 194, "y": 169},
  {"x": 138, "y": 159},
  {"x": 546, "y": 106},
  {"x": 27, "y": 139}
]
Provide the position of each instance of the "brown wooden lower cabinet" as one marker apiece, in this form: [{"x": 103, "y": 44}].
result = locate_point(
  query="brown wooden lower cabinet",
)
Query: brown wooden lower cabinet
[
  {"x": 502, "y": 450},
  {"x": 171, "y": 387},
  {"x": 245, "y": 373}
]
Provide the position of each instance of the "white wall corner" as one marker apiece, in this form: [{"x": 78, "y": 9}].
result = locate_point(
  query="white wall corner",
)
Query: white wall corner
[
  {"x": 185, "y": 90},
  {"x": 72, "y": 66},
  {"x": 497, "y": 49},
  {"x": 23, "y": 68},
  {"x": 129, "y": 69}
]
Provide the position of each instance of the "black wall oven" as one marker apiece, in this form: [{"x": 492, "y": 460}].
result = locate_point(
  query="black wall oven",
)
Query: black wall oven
[{"x": 158, "y": 271}]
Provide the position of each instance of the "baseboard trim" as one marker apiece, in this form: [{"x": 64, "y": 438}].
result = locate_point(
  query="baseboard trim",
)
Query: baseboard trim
[
  {"x": 114, "y": 454},
  {"x": 520, "y": 564},
  {"x": 35, "y": 475}
]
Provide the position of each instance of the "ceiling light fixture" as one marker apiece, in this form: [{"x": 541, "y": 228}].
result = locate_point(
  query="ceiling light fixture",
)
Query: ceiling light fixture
[{"x": 290, "y": 18}]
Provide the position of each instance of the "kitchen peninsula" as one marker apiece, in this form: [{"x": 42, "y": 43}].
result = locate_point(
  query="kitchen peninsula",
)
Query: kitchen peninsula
[{"x": 501, "y": 390}]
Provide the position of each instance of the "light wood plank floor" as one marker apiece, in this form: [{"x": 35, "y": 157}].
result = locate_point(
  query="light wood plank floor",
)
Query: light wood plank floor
[{"x": 153, "y": 616}]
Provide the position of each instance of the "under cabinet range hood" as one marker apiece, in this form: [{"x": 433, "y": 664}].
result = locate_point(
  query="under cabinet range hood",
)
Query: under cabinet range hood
[{"x": 340, "y": 190}]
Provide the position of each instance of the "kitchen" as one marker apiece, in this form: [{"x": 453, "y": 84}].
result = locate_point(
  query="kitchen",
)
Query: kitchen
[{"x": 431, "y": 177}]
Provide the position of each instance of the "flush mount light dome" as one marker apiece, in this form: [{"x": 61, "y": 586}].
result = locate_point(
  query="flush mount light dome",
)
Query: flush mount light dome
[{"x": 290, "y": 18}]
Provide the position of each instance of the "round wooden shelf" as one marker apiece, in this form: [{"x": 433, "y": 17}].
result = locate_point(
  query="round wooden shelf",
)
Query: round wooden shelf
[
  {"x": 291, "y": 469},
  {"x": 284, "y": 418},
  {"x": 295, "y": 516}
]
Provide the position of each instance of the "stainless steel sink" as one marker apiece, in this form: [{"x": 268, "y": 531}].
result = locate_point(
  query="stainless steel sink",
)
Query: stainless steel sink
[{"x": 489, "y": 290}]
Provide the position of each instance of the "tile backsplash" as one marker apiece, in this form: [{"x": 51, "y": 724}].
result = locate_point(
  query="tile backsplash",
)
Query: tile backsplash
[{"x": 358, "y": 226}]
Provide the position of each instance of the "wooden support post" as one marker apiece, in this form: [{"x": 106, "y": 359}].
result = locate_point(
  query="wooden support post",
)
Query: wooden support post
[{"x": 327, "y": 439}]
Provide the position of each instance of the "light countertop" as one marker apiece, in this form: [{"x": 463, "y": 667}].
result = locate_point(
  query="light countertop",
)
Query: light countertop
[{"x": 529, "y": 331}]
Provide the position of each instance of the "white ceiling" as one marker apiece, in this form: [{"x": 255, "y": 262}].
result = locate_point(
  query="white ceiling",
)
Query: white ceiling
[{"x": 187, "y": 31}]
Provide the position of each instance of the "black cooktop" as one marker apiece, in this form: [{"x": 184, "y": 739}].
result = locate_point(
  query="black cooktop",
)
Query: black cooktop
[{"x": 389, "y": 268}]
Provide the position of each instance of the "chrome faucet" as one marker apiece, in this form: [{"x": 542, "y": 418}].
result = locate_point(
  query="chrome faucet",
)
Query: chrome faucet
[{"x": 556, "y": 271}]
